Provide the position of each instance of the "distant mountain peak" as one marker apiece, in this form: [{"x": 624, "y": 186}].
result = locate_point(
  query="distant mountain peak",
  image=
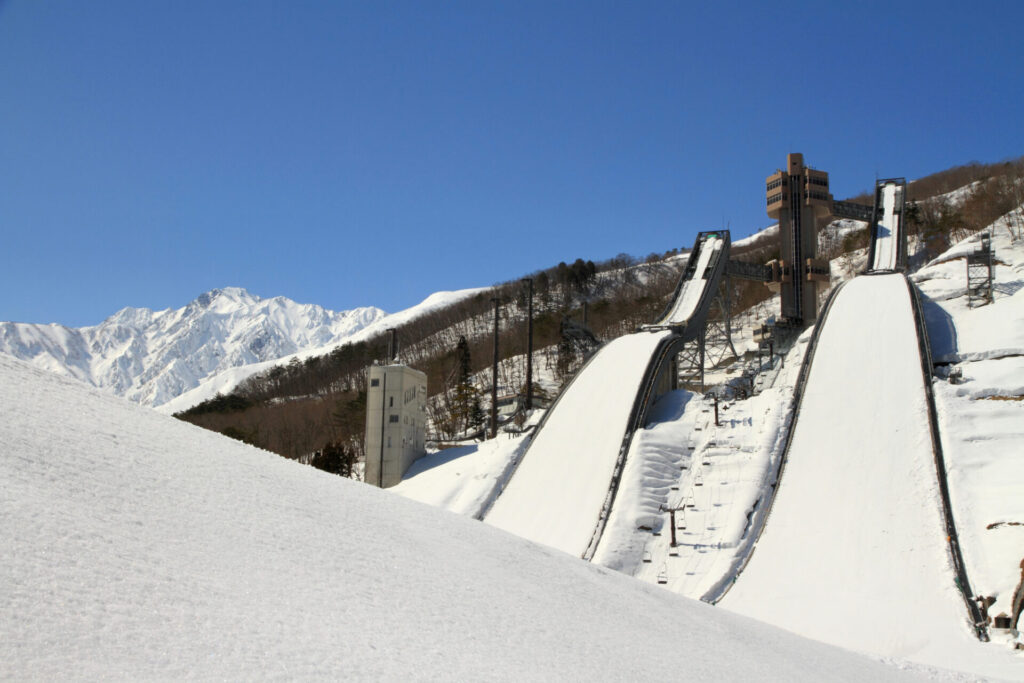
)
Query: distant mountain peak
[
  {"x": 151, "y": 357},
  {"x": 227, "y": 295}
]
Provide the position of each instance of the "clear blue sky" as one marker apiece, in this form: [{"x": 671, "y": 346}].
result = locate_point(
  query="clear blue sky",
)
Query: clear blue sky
[{"x": 370, "y": 153}]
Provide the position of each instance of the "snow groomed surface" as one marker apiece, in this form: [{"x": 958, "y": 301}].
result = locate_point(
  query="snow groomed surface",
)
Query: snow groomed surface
[
  {"x": 760, "y": 512},
  {"x": 856, "y": 526},
  {"x": 561, "y": 492},
  {"x": 692, "y": 288},
  {"x": 557, "y": 491}
]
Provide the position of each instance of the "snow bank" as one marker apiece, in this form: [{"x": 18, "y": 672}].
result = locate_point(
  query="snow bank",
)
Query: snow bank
[{"x": 136, "y": 546}]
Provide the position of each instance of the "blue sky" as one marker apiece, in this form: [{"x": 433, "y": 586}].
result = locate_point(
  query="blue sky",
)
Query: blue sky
[{"x": 352, "y": 154}]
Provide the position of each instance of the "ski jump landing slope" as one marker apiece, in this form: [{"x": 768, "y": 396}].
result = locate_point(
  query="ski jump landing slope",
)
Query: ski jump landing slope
[
  {"x": 854, "y": 552},
  {"x": 562, "y": 489},
  {"x": 558, "y": 490}
]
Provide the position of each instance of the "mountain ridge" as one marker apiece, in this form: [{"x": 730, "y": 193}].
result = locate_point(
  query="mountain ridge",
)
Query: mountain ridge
[{"x": 152, "y": 356}]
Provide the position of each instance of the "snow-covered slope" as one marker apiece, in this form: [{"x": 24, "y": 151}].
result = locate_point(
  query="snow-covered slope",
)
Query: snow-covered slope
[
  {"x": 152, "y": 356},
  {"x": 139, "y": 547},
  {"x": 556, "y": 494},
  {"x": 982, "y": 413},
  {"x": 856, "y": 528}
]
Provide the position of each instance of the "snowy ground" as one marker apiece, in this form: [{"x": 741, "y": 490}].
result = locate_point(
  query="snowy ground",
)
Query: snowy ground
[
  {"x": 982, "y": 417},
  {"x": 140, "y": 547},
  {"x": 464, "y": 479}
]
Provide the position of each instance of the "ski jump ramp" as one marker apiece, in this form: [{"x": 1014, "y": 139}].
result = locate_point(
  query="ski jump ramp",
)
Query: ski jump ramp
[
  {"x": 888, "y": 249},
  {"x": 561, "y": 491},
  {"x": 854, "y": 551}
]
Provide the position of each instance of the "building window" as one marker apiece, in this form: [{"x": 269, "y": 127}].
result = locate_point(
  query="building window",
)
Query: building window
[
  {"x": 393, "y": 418},
  {"x": 391, "y": 402},
  {"x": 374, "y": 382}
]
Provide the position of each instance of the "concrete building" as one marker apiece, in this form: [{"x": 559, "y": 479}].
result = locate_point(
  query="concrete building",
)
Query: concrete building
[
  {"x": 396, "y": 417},
  {"x": 798, "y": 197}
]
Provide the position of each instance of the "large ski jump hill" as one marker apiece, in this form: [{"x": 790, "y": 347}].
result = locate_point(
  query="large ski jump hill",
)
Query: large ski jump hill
[{"x": 857, "y": 528}]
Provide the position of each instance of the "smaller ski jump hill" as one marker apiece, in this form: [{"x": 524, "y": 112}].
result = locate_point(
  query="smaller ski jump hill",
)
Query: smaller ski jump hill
[
  {"x": 561, "y": 491},
  {"x": 855, "y": 549}
]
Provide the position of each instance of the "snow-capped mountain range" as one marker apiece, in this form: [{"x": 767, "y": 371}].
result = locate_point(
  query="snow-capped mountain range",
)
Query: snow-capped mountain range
[{"x": 151, "y": 357}]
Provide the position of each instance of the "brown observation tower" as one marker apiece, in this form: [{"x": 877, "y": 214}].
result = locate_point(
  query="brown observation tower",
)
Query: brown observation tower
[{"x": 799, "y": 199}]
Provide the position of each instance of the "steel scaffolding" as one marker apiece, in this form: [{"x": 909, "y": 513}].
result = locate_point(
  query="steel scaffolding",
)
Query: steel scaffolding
[{"x": 979, "y": 273}]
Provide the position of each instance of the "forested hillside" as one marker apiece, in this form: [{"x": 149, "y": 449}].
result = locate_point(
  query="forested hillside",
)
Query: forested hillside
[{"x": 314, "y": 410}]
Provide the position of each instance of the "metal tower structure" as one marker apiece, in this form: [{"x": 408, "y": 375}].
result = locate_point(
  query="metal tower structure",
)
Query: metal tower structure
[{"x": 979, "y": 273}]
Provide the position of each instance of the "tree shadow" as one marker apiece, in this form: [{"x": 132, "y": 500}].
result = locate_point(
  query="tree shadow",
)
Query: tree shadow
[
  {"x": 432, "y": 460},
  {"x": 669, "y": 407}
]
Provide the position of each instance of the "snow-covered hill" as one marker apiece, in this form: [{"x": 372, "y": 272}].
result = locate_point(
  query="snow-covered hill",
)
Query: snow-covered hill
[
  {"x": 139, "y": 547},
  {"x": 153, "y": 356}
]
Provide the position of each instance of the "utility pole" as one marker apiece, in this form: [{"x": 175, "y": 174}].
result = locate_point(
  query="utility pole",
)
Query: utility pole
[
  {"x": 529, "y": 344},
  {"x": 494, "y": 373}
]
